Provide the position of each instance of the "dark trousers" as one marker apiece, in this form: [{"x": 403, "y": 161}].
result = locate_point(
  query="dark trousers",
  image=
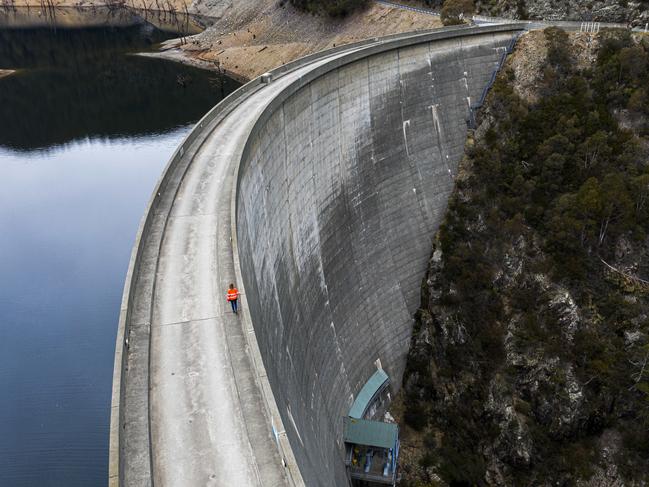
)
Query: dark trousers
[{"x": 234, "y": 305}]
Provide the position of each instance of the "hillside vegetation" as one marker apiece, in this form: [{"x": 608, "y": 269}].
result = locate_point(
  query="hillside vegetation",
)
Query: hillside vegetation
[
  {"x": 330, "y": 7},
  {"x": 529, "y": 361},
  {"x": 636, "y": 11},
  {"x": 597, "y": 10}
]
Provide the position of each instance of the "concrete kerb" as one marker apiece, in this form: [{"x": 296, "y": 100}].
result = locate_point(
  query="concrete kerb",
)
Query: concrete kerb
[
  {"x": 443, "y": 32},
  {"x": 430, "y": 36},
  {"x": 219, "y": 111}
]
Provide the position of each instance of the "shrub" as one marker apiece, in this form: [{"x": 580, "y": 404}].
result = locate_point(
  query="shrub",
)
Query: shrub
[
  {"x": 455, "y": 11},
  {"x": 334, "y": 8},
  {"x": 550, "y": 189}
]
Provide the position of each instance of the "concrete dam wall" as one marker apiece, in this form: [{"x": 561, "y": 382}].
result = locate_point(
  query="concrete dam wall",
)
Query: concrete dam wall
[
  {"x": 318, "y": 194},
  {"x": 342, "y": 185}
]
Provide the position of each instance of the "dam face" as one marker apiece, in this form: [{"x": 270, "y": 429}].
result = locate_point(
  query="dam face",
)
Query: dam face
[
  {"x": 341, "y": 188},
  {"x": 317, "y": 193}
]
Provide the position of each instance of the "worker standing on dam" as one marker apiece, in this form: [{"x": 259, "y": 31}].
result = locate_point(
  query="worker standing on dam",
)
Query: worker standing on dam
[{"x": 233, "y": 296}]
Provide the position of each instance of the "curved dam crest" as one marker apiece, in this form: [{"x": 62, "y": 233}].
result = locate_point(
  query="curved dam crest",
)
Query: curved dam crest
[
  {"x": 319, "y": 193},
  {"x": 340, "y": 193}
]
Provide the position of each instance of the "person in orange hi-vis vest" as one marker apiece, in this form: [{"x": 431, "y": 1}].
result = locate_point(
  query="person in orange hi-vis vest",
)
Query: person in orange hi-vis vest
[{"x": 233, "y": 295}]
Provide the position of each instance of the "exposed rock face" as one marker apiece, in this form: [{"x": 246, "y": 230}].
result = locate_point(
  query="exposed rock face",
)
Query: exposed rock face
[
  {"x": 598, "y": 10},
  {"x": 528, "y": 395}
]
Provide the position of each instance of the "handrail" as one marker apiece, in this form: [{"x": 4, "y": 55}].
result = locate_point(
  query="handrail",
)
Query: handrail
[{"x": 473, "y": 109}]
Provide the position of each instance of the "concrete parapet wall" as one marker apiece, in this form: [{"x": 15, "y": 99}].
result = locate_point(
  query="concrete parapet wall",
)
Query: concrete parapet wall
[
  {"x": 129, "y": 452},
  {"x": 342, "y": 185}
]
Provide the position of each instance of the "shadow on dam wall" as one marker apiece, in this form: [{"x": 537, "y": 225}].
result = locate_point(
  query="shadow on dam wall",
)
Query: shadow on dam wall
[{"x": 341, "y": 189}]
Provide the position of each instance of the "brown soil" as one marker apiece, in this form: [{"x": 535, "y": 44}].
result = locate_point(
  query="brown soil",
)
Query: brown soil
[
  {"x": 257, "y": 36},
  {"x": 411, "y": 443}
]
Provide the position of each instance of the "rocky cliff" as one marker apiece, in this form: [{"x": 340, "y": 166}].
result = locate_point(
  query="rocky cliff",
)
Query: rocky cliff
[
  {"x": 530, "y": 357},
  {"x": 599, "y": 10}
]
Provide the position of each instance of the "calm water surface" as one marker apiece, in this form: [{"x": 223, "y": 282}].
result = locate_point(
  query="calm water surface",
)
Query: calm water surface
[{"x": 85, "y": 130}]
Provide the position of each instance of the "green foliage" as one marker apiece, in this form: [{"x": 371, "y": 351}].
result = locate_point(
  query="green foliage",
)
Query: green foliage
[
  {"x": 461, "y": 467},
  {"x": 455, "y": 12},
  {"x": 622, "y": 76},
  {"x": 558, "y": 54},
  {"x": 558, "y": 184},
  {"x": 334, "y": 8},
  {"x": 577, "y": 182}
]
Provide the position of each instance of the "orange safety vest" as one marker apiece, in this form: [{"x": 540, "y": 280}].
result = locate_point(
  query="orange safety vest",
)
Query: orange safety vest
[{"x": 232, "y": 294}]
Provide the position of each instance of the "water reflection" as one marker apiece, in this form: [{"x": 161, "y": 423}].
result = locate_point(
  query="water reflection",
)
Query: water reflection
[
  {"x": 84, "y": 132},
  {"x": 74, "y": 83},
  {"x": 67, "y": 221}
]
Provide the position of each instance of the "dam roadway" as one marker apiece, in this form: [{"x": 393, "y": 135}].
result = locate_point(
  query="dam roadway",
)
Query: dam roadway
[{"x": 317, "y": 193}]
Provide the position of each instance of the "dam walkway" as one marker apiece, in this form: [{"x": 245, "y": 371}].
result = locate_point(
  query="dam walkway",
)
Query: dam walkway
[
  {"x": 192, "y": 400},
  {"x": 207, "y": 423}
]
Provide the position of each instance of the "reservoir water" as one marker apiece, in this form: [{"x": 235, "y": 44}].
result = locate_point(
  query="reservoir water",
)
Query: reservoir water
[{"x": 85, "y": 130}]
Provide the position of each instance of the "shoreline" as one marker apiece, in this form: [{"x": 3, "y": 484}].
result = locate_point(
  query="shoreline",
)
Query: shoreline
[
  {"x": 182, "y": 56},
  {"x": 250, "y": 39},
  {"x": 260, "y": 35},
  {"x": 4, "y": 73}
]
